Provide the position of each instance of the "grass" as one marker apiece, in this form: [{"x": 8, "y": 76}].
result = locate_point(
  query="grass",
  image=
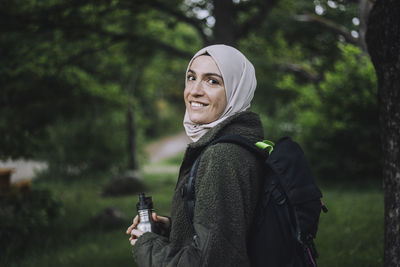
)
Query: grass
[
  {"x": 350, "y": 234},
  {"x": 77, "y": 241}
]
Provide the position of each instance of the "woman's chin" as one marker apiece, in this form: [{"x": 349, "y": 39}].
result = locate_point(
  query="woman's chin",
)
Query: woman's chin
[{"x": 199, "y": 119}]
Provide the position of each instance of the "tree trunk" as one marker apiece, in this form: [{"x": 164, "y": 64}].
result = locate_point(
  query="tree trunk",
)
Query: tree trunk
[
  {"x": 132, "y": 164},
  {"x": 225, "y": 18},
  {"x": 365, "y": 8},
  {"x": 383, "y": 41}
]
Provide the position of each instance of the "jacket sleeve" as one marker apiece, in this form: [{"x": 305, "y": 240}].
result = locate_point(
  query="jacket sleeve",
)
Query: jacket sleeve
[
  {"x": 154, "y": 250},
  {"x": 226, "y": 195}
]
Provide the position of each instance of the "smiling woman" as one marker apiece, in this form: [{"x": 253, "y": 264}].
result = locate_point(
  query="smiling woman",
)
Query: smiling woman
[
  {"x": 229, "y": 67},
  {"x": 220, "y": 84},
  {"x": 204, "y": 95}
]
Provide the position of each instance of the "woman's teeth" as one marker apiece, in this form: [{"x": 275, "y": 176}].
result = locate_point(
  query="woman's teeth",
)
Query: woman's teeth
[{"x": 197, "y": 104}]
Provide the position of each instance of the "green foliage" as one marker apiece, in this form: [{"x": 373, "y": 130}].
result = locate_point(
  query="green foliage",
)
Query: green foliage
[
  {"x": 350, "y": 234},
  {"x": 161, "y": 92},
  {"x": 70, "y": 70},
  {"x": 95, "y": 142},
  {"x": 333, "y": 115},
  {"x": 76, "y": 241},
  {"x": 26, "y": 217},
  {"x": 339, "y": 119},
  {"x": 80, "y": 63},
  {"x": 69, "y": 62}
]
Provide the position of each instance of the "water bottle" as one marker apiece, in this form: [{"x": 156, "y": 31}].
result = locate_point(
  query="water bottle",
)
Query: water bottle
[{"x": 144, "y": 208}]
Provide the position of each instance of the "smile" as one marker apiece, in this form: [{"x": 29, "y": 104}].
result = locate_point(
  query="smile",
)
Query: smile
[{"x": 197, "y": 104}]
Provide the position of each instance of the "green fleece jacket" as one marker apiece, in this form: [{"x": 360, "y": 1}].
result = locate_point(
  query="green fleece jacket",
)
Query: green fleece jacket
[{"x": 227, "y": 189}]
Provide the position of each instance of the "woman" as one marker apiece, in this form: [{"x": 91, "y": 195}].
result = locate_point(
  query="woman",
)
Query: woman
[{"x": 220, "y": 84}]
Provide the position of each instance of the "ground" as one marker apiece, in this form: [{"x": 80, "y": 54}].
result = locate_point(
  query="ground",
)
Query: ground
[{"x": 157, "y": 151}]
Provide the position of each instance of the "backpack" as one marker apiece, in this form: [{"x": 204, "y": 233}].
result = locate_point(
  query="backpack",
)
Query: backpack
[{"x": 287, "y": 213}]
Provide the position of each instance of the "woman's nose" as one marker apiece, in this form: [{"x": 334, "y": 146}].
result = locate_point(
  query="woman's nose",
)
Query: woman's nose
[{"x": 197, "y": 88}]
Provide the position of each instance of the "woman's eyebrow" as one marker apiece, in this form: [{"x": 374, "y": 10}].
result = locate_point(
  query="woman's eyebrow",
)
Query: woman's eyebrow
[
  {"x": 213, "y": 74},
  {"x": 208, "y": 74}
]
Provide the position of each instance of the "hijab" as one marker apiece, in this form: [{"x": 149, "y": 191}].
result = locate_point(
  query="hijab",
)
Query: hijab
[{"x": 239, "y": 80}]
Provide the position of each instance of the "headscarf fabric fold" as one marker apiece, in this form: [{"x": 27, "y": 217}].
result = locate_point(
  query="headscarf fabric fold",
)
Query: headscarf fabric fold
[{"x": 239, "y": 80}]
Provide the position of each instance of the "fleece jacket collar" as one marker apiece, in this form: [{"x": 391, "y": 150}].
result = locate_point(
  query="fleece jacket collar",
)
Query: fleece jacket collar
[{"x": 246, "y": 124}]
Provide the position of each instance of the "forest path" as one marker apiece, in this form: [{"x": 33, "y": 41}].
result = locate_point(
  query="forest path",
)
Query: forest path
[
  {"x": 158, "y": 151},
  {"x": 164, "y": 149},
  {"x": 167, "y": 147}
]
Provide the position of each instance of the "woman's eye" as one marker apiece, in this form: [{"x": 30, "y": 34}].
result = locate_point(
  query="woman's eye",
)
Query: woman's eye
[
  {"x": 213, "y": 81},
  {"x": 191, "y": 78}
]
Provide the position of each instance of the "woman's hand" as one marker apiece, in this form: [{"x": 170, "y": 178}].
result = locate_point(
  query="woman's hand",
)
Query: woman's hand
[
  {"x": 135, "y": 234},
  {"x": 162, "y": 221}
]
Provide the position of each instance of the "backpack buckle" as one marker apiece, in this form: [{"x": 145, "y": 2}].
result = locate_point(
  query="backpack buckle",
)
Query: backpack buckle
[{"x": 278, "y": 195}]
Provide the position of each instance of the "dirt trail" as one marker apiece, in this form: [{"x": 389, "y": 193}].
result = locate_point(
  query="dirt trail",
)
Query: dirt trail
[
  {"x": 167, "y": 147},
  {"x": 160, "y": 150},
  {"x": 164, "y": 149},
  {"x": 24, "y": 169}
]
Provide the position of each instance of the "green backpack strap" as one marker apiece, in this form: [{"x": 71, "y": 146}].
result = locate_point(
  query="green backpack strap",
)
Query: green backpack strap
[
  {"x": 188, "y": 191},
  {"x": 266, "y": 145}
]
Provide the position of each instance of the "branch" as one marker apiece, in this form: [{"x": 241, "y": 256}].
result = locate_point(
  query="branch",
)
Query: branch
[
  {"x": 300, "y": 71},
  {"x": 116, "y": 38},
  {"x": 331, "y": 26},
  {"x": 256, "y": 20},
  {"x": 150, "y": 42},
  {"x": 179, "y": 16}
]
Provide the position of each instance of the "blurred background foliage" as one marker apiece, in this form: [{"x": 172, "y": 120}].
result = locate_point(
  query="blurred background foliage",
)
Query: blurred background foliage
[
  {"x": 72, "y": 69},
  {"x": 73, "y": 72}
]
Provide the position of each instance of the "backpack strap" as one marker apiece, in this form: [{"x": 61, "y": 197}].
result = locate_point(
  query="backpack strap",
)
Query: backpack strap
[
  {"x": 243, "y": 142},
  {"x": 188, "y": 190}
]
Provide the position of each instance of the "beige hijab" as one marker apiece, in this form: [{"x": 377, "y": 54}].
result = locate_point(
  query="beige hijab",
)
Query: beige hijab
[{"x": 240, "y": 83}]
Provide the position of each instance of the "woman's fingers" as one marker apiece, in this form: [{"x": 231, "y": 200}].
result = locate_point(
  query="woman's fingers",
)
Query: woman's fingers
[
  {"x": 130, "y": 228},
  {"x": 155, "y": 216},
  {"x": 160, "y": 219},
  {"x": 135, "y": 234},
  {"x": 135, "y": 222},
  {"x": 128, "y": 231},
  {"x": 164, "y": 220}
]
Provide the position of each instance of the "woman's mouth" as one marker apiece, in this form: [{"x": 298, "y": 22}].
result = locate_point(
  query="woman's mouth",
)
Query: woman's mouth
[{"x": 197, "y": 104}]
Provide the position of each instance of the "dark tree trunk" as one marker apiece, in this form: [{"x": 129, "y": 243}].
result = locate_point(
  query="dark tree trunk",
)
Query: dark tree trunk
[
  {"x": 365, "y": 8},
  {"x": 225, "y": 19},
  {"x": 383, "y": 40},
  {"x": 132, "y": 164}
]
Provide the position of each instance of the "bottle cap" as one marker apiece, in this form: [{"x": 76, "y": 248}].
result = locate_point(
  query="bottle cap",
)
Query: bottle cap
[{"x": 144, "y": 202}]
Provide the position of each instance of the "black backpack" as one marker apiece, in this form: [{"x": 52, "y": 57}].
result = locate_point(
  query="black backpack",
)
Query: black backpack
[{"x": 287, "y": 214}]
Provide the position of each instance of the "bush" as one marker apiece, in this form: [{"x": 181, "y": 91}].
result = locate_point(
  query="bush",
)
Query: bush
[
  {"x": 340, "y": 128},
  {"x": 336, "y": 119},
  {"x": 90, "y": 143},
  {"x": 25, "y": 218}
]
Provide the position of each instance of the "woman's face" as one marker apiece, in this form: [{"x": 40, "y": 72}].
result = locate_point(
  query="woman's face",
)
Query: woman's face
[{"x": 204, "y": 94}]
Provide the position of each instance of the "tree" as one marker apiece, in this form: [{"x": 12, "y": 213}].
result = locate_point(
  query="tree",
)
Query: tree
[
  {"x": 72, "y": 63},
  {"x": 383, "y": 40},
  {"x": 88, "y": 52},
  {"x": 218, "y": 21},
  {"x": 57, "y": 55}
]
